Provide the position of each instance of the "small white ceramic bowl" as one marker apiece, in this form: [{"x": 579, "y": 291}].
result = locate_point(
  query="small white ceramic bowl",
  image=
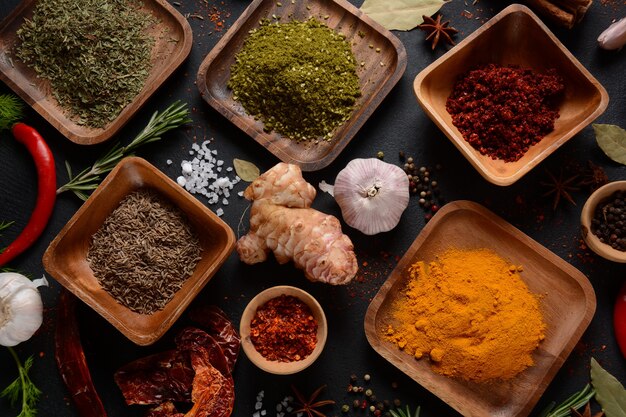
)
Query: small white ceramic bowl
[
  {"x": 602, "y": 249},
  {"x": 276, "y": 367}
]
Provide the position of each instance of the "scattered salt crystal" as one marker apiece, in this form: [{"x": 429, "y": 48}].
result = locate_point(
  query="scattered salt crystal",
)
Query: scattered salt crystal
[
  {"x": 220, "y": 163},
  {"x": 229, "y": 169},
  {"x": 169, "y": 162},
  {"x": 258, "y": 405},
  {"x": 240, "y": 193},
  {"x": 279, "y": 407},
  {"x": 190, "y": 152},
  {"x": 263, "y": 412},
  {"x": 181, "y": 181},
  {"x": 219, "y": 212},
  {"x": 256, "y": 414},
  {"x": 187, "y": 169}
]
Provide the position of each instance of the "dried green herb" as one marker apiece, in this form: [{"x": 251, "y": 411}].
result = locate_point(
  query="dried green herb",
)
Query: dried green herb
[
  {"x": 95, "y": 53},
  {"x": 299, "y": 78},
  {"x": 245, "y": 170}
]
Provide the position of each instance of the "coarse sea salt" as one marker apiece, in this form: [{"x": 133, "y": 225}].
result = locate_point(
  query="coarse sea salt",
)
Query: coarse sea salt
[{"x": 202, "y": 175}]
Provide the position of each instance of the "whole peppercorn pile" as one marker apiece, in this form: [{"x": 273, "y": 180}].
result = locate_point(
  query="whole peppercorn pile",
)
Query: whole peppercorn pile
[
  {"x": 609, "y": 221},
  {"x": 423, "y": 184},
  {"x": 503, "y": 111}
]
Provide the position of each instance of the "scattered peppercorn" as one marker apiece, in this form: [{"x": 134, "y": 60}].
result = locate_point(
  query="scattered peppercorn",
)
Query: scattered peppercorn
[
  {"x": 366, "y": 377},
  {"x": 368, "y": 392},
  {"x": 609, "y": 221},
  {"x": 380, "y": 155}
]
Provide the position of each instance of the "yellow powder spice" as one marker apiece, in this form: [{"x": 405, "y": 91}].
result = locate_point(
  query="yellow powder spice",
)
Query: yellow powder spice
[{"x": 470, "y": 313}]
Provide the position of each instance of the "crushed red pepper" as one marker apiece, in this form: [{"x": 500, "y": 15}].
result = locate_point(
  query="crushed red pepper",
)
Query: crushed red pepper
[
  {"x": 284, "y": 329},
  {"x": 503, "y": 111}
]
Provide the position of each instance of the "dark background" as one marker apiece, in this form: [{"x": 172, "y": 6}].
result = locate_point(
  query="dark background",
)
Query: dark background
[{"x": 398, "y": 125}]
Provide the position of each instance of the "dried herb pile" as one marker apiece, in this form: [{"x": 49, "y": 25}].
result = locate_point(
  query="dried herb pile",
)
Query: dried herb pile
[
  {"x": 299, "y": 78},
  {"x": 144, "y": 252},
  {"x": 95, "y": 53}
]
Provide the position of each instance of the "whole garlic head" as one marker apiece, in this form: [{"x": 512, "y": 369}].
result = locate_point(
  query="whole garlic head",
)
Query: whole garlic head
[
  {"x": 21, "y": 308},
  {"x": 372, "y": 195}
]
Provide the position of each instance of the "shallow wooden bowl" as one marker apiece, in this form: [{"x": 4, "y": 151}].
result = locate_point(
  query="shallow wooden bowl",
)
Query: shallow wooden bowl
[
  {"x": 275, "y": 367},
  {"x": 567, "y": 301},
  {"x": 514, "y": 36},
  {"x": 172, "y": 44},
  {"x": 65, "y": 258},
  {"x": 376, "y": 81},
  {"x": 598, "y": 196}
]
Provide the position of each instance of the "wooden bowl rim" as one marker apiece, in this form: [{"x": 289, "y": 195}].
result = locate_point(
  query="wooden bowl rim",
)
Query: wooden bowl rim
[
  {"x": 275, "y": 367},
  {"x": 457, "y": 139},
  {"x": 586, "y": 215}
]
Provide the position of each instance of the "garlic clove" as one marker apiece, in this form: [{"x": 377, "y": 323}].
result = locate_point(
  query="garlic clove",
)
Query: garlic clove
[
  {"x": 372, "y": 195},
  {"x": 614, "y": 37}
]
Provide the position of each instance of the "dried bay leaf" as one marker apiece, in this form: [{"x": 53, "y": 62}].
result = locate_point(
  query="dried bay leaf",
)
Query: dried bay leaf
[
  {"x": 612, "y": 140},
  {"x": 400, "y": 14},
  {"x": 610, "y": 393},
  {"x": 245, "y": 170}
]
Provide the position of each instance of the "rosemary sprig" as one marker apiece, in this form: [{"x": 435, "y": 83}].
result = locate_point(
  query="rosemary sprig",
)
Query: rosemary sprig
[
  {"x": 175, "y": 115},
  {"x": 22, "y": 387},
  {"x": 575, "y": 401},
  {"x": 399, "y": 412}
]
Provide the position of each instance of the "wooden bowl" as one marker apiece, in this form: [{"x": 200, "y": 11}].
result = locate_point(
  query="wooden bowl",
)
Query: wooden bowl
[
  {"x": 172, "y": 44},
  {"x": 598, "y": 196},
  {"x": 275, "y": 367},
  {"x": 65, "y": 258},
  {"x": 514, "y": 36},
  {"x": 375, "y": 80},
  {"x": 567, "y": 302}
]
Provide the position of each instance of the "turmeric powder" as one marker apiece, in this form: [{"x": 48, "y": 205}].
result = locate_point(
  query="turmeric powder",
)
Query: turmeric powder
[{"x": 470, "y": 313}]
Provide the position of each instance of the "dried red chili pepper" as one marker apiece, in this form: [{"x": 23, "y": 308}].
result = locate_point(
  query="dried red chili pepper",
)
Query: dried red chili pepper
[
  {"x": 71, "y": 360},
  {"x": 46, "y": 197},
  {"x": 217, "y": 324},
  {"x": 619, "y": 319}
]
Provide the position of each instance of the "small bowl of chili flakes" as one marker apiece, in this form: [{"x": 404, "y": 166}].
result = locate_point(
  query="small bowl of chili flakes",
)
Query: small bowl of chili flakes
[
  {"x": 509, "y": 95},
  {"x": 283, "y": 330}
]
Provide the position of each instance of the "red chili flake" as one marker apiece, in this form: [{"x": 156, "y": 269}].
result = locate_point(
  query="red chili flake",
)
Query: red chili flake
[
  {"x": 284, "y": 329},
  {"x": 503, "y": 111}
]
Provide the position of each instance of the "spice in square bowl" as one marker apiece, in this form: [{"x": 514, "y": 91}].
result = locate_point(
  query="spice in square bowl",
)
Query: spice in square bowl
[
  {"x": 139, "y": 279},
  {"x": 511, "y": 80}
]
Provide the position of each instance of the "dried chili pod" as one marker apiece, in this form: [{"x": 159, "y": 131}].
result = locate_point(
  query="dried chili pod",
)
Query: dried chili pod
[
  {"x": 217, "y": 324},
  {"x": 71, "y": 360}
]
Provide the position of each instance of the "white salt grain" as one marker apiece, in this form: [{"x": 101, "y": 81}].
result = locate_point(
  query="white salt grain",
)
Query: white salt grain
[
  {"x": 169, "y": 162},
  {"x": 219, "y": 212},
  {"x": 181, "y": 181},
  {"x": 258, "y": 405}
]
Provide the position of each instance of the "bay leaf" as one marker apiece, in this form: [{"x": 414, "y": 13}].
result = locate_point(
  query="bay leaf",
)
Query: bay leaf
[
  {"x": 610, "y": 393},
  {"x": 612, "y": 140},
  {"x": 245, "y": 170},
  {"x": 400, "y": 14}
]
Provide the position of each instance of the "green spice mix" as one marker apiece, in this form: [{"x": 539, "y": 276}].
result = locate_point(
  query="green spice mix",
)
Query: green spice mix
[
  {"x": 95, "y": 53},
  {"x": 299, "y": 78}
]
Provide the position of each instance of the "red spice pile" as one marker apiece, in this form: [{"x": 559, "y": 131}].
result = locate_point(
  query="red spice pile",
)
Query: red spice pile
[
  {"x": 503, "y": 111},
  {"x": 284, "y": 329}
]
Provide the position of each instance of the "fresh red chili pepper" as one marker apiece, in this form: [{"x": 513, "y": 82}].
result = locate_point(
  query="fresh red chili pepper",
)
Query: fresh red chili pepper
[
  {"x": 71, "y": 360},
  {"x": 619, "y": 319},
  {"x": 46, "y": 195}
]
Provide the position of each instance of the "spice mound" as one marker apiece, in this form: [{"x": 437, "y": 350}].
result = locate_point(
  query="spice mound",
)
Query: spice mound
[
  {"x": 299, "y": 78},
  {"x": 144, "y": 252},
  {"x": 95, "y": 53},
  {"x": 503, "y": 111},
  {"x": 284, "y": 329},
  {"x": 469, "y": 312},
  {"x": 609, "y": 221}
]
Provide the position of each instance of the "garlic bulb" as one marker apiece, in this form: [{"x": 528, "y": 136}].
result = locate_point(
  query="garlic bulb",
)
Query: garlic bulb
[
  {"x": 21, "y": 308},
  {"x": 614, "y": 37},
  {"x": 372, "y": 195}
]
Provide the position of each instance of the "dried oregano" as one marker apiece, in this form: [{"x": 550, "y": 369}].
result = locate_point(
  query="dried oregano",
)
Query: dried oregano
[
  {"x": 95, "y": 53},
  {"x": 299, "y": 78}
]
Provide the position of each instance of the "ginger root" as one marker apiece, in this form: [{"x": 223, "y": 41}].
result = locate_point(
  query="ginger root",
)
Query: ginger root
[{"x": 282, "y": 220}]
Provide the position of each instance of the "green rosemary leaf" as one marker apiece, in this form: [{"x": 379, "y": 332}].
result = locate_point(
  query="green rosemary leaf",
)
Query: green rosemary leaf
[
  {"x": 175, "y": 115},
  {"x": 575, "y": 401},
  {"x": 5, "y": 225}
]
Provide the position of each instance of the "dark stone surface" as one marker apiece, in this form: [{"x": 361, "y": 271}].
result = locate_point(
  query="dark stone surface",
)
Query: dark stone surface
[{"x": 399, "y": 124}]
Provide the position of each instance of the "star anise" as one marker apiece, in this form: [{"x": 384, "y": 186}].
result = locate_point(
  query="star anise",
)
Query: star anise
[
  {"x": 586, "y": 413},
  {"x": 560, "y": 187},
  {"x": 310, "y": 406},
  {"x": 436, "y": 30}
]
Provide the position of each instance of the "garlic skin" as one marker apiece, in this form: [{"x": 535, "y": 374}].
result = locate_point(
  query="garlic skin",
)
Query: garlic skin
[
  {"x": 614, "y": 37},
  {"x": 372, "y": 195},
  {"x": 21, "y": 308}
]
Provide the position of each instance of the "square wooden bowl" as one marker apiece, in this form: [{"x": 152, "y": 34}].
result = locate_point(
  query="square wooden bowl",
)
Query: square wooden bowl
[
  {"x": 172, "y": 44},
  {"x": 567, "y": 301},
  {"x": 65, "y": 258},
  {"x": 376, "y": 80},
  {"x": 514, "y": 36}
]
